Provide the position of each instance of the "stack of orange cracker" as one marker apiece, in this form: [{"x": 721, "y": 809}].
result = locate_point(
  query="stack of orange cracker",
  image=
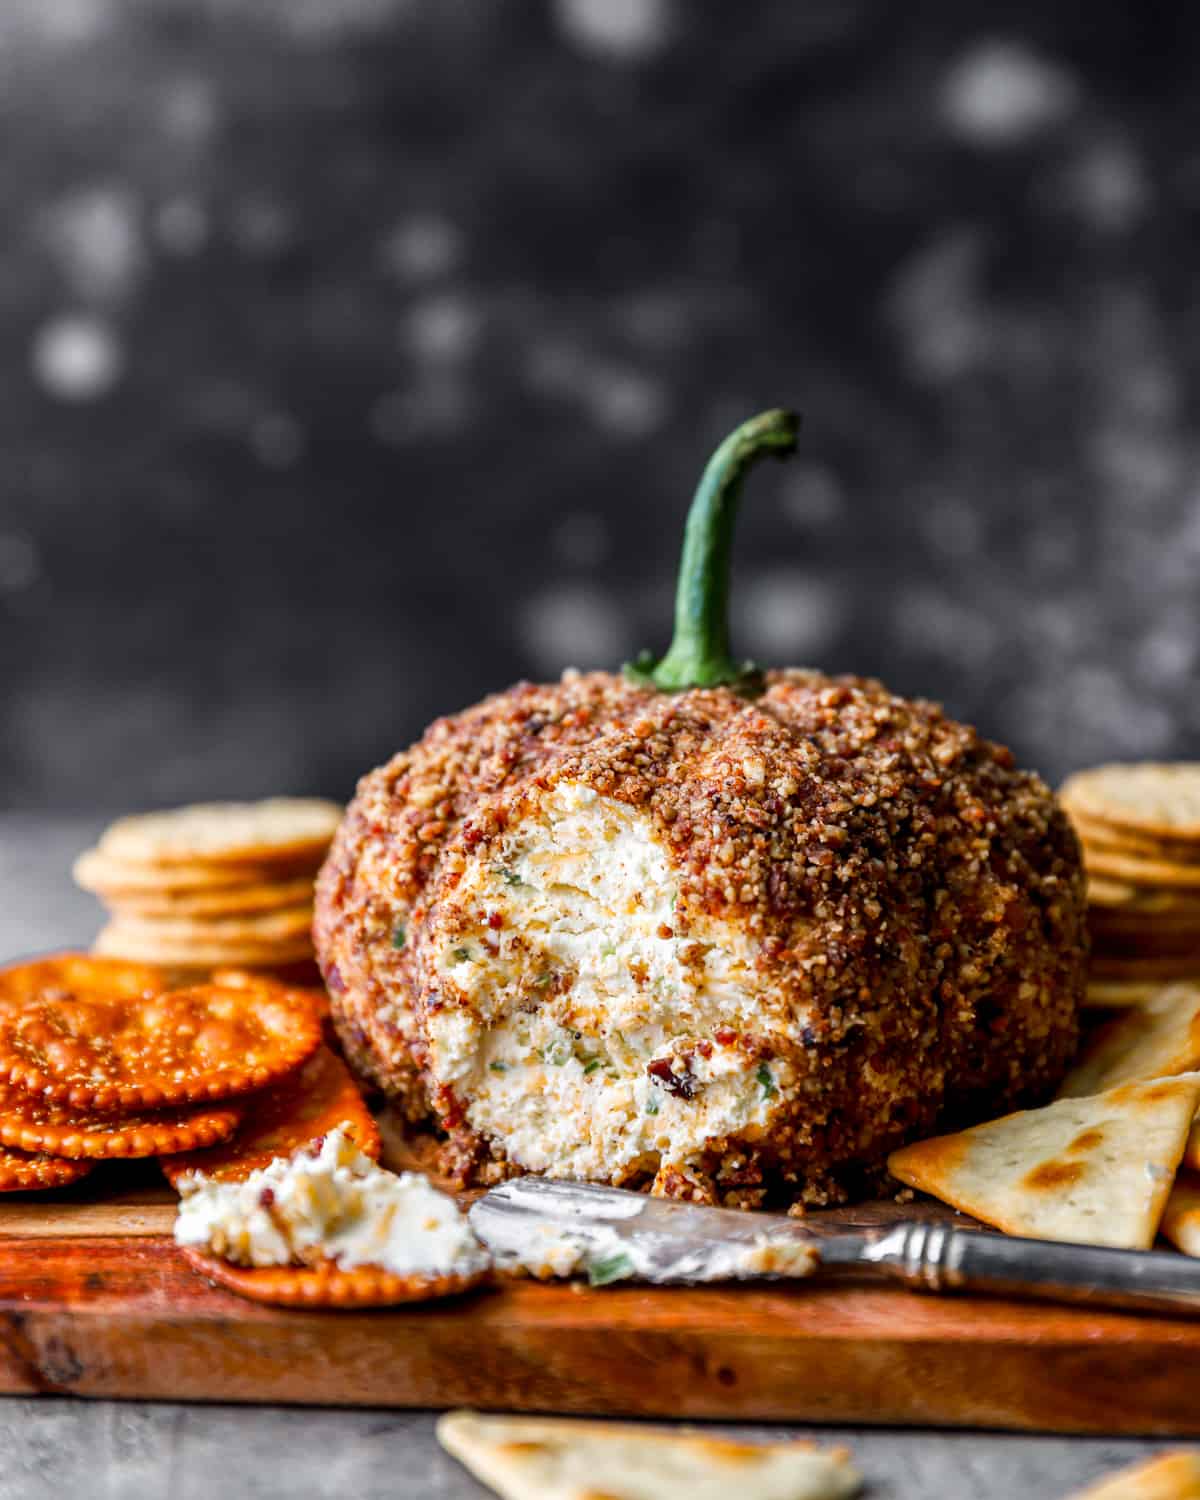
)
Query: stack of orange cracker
[
  {"x": 1140, "y": 830},
  {"x": 101, "y": 1058},
  {"x": 213, "y": 884}
]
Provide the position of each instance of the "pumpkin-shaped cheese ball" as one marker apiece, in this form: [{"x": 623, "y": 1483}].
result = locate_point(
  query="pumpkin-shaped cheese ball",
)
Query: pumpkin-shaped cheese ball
[{"x": 699, "y": 927}]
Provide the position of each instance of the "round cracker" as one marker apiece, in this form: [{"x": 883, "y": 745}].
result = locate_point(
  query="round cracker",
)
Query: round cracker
[
  {"x": 22, "y": 1173},
  {"x": 1101, "y": 891},
  {"x": 1149, "y": 936},
  {"x": 266, "y": 929},
  {"x": 248, "y": 979},
  {"x": 183, "y": 1046},
  {"x": 1142, "y": 962},
  {"x": 1107, "y": 894},
  {"x": 1104, "y": 994},
  {"x": 67, "y": 974},
  {"x": 1144, "y": 969},
  {"x": 221, "y": 901},
  {"x": 1103, "y": 836},
  {"x": 150, "y": 947},
  {"x": 328, "y": 1285},
  {"x": 1150, "y": 925},
  {"x": 40, "y": 1125},
  {"x": 1156, "y": 798},
  {"x": 286, "y": 1119},
  {"x": 301, "y": 973},
  {"x": 225, "y": 832},
  {"x": 99, "y": 873},
  {"x": 1153, "y": 873}
]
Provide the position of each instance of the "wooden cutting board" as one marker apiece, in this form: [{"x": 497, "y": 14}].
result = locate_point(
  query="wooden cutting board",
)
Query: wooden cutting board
[{"x": 95, "y": 1301}]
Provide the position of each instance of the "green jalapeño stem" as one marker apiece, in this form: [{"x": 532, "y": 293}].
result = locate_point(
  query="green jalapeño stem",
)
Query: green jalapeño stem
[{"x": 699, "y": 652}]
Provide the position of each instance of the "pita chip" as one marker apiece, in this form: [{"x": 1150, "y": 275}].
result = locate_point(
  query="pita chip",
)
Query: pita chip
[
  {"x": 1172, "y": 1476},
  {"x": 1092, "y": 1171},
  {"x": 1158, "y": 1039},
  {"x": 1181, "y": 1217},
  {"x": 533, "y": 1458}
]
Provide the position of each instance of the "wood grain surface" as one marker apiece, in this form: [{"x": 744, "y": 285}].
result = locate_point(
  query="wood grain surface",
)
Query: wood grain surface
[{"x": 95, "y": 1301}]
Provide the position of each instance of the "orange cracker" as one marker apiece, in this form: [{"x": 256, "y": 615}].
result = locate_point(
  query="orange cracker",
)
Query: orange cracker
[
  {"x": 64, "y": 975},
  {"x": 21, "y": 1173},
  {"x": 328, "y": 1285},
  {"x": 184, "y": 1046},
  {"x": 286, "y": 1119},
  {"x": 248, "y": 979},
  {"x": 40, "y": 1125}
]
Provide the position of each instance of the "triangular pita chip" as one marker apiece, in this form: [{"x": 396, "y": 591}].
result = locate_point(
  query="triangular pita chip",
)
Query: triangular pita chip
[
  {"x": 1181, "y": 1217},
  {"x": 532, "y": 1458},
  {"x": 1092, "y": 1171},
  {"x": 1156, "y": 1040},
  {"x": 1171, "y": 1476}
]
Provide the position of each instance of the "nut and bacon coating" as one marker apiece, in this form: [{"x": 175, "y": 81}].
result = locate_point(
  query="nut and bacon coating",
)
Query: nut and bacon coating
[
  {"x": 911, "y": 904},
  {"x": 111, "y": 1053}
]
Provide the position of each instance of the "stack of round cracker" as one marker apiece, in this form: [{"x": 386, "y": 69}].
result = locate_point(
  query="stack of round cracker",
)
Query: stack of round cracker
[
  {"x": 212, "y": 884},
  {"x": 1140, "y": 830},
  {"x": 102, "y": 1058}
]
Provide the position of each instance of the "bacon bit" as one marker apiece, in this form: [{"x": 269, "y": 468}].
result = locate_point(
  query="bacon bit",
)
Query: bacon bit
[
  {"x": 682, "y": 1085},
  {"x": 704, "y": 1047},
  {"x": 664, "y": 931},
  {"x": 266, "y": 1198},
  {"x": 725, "y": 1036},
  {"x": 1016, "y": 916},
  {"x": 495, "y": 920},
  {"x": 451, "y": 1111}
]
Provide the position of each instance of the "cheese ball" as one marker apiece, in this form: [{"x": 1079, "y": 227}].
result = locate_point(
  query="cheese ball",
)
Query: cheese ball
[{"x": 728, "y": 948}]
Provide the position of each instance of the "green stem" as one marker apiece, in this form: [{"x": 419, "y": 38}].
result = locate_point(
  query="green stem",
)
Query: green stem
[{"x": 699, "y": 652}]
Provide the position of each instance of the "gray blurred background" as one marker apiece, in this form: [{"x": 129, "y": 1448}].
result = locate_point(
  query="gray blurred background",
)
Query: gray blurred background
[{"x": 359, "y": 356}]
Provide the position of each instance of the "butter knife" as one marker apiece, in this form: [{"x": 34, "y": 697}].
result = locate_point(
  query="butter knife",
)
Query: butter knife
[{"x": 555, "y": 1228}]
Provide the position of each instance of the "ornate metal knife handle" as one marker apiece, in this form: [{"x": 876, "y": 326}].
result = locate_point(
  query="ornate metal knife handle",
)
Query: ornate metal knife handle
[{"x": 940, "y": 1258}]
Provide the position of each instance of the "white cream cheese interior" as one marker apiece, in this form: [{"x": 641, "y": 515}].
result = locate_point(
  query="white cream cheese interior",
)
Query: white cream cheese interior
[
  {"x": 330, "y": 1204},
  {"x": 576, "y": 982}
]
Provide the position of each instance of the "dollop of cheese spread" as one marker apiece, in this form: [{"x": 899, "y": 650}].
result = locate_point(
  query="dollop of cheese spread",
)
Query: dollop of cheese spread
[{"x": 330, "y": 1203}]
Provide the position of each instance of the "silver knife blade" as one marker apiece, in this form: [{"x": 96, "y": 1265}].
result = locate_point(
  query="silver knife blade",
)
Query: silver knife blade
[
  {"x": 616, "y": 1235},
  {"x": 552, "y": 1227}
]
